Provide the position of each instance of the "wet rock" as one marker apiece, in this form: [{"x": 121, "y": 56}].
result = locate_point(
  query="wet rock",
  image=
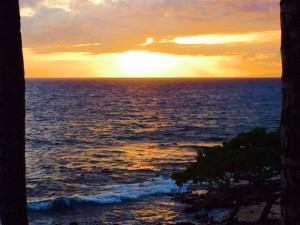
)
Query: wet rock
[
  {"x": 74, "y": 223},
  {"x": 184, "y": 223},
  {"x": 194, "y": 201},
  {"x": 202, "y": 217},
  {"x": 178, "y": 223},
  {"x": 218, "y": 200},
  {"x": 219, "y": 215},
  {"x": 165, "y": 223}
]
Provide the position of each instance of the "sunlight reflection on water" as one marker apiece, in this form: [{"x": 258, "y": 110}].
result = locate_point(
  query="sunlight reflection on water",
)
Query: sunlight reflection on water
[{"x": 85, "y": 136}]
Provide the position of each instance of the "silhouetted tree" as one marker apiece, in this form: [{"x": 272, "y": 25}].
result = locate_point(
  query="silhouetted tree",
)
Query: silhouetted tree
[
  {"x": 12, "y": 117},
  {"x": 290, "y": 118}
]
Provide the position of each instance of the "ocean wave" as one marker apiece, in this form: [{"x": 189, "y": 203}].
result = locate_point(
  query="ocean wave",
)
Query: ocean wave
[{"x": 115, "y": 194}]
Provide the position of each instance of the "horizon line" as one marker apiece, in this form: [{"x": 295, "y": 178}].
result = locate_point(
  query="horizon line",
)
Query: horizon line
[{"x": 148, "y": 78}]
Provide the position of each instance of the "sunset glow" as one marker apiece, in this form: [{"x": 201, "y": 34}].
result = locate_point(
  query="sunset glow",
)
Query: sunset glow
[
  {"x": 122, "y": 38},
  {"x": 144, "y": 64}
]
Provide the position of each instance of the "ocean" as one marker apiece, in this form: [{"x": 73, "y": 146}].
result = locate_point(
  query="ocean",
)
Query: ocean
[{"x": 101, "y": 151}]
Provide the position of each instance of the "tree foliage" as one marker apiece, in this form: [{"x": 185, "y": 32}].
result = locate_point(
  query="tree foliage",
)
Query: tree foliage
[{"x": 253, "y": 156}]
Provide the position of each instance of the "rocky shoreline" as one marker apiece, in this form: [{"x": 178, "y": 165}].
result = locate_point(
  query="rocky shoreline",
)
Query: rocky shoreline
[
  {"x": 242, "y": 204},
  {"x": 239, "y": 205}
]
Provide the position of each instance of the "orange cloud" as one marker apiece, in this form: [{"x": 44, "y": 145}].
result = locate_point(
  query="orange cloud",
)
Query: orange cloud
[{"x": 204, "y": 37}]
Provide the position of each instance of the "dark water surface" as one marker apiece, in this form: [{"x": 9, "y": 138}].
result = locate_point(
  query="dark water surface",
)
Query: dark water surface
[{"x": 101, "y": 151}]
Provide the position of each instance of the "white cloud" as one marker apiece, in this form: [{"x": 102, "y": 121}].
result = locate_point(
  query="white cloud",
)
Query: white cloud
[
  {"x": 265, "y": 36},
  {"x": 27, "y": 12},
  {"x": 149, "y": 41}
]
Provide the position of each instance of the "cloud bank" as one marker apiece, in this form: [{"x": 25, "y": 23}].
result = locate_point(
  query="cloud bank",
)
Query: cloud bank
[{"x": 127, "y": 23}]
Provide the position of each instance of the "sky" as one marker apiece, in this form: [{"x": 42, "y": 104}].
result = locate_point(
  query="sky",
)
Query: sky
[{"x": 150, "y": 38}]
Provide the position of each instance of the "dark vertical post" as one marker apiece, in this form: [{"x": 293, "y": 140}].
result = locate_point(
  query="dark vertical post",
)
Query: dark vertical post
[
  {"x": 12, "y": 117},
  {"x": 290, "y": 117}
]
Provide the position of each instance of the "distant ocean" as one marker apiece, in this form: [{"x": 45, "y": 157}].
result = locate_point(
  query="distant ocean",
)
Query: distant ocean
[{"x": 101, "y": 151}]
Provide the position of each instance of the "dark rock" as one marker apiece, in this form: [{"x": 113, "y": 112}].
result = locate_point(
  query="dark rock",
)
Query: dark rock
[
  {"x": 240, "y": 195},
  {"x": 163, "y": 223},
  {"x": 74, "y": 223},
  {"x": 189, "y": 198},
  {"x": 184, "y": 223},
  {"x": 202, "y": 217}
]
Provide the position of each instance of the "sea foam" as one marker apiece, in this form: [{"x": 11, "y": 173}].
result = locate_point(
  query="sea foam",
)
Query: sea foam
[{"x": 116, "y": 194}]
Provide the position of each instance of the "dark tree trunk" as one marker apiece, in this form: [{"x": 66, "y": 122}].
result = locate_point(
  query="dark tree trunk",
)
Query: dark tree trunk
[
  {"x": 12, "y": 117},
  {"x": 290, "y": 118}
]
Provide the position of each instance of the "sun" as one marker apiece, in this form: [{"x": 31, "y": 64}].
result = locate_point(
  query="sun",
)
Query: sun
[{"x": 144, "y": 64}]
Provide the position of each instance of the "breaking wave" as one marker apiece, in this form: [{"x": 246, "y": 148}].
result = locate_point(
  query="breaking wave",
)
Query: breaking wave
[{"x": 116, "y": 194}]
